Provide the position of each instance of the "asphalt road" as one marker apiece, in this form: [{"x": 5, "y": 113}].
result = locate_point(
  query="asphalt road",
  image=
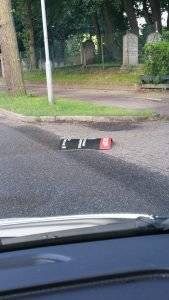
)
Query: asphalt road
[{"x": 37, "y": 179}]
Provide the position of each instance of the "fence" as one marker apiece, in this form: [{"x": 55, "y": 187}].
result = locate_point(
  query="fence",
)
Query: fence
[{"x": 89, "y": 50}]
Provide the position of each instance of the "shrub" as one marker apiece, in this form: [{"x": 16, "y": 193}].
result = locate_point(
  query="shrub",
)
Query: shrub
[
  {"x": 165, "y": 36},
  {"x": 157, "y": 59}
]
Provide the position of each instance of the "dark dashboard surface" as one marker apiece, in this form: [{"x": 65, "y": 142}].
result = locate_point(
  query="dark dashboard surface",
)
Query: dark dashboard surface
[
  {"x": 121, "y": 268},
  {"x": 138, "y": 290}
]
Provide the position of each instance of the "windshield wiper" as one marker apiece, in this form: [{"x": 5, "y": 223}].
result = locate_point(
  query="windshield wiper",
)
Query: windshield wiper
[
  {"x": 121, "y": 228},
  {"x": 161, "y": 223}
]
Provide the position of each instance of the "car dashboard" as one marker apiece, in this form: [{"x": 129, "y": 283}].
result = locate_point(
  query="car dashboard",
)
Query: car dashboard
[{"x": 119, "y": 268}]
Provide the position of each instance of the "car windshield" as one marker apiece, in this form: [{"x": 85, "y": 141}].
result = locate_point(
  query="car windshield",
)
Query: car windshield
[{"x": 84, "y": 114}]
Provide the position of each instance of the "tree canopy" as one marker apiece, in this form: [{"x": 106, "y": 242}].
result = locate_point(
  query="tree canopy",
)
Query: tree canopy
[{"x": 66, "y": 18}]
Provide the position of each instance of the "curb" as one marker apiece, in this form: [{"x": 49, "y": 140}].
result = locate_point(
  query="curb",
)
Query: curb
[
  {"x": 152, "y": 86},
  {"x": 76, "y": 119}
]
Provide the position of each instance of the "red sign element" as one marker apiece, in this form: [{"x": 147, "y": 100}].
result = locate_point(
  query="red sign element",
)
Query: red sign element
[{"x": 106, "y": 144}]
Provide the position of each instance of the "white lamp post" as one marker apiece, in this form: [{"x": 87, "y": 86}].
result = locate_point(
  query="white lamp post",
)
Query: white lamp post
[{"x": 48, "y": 63}]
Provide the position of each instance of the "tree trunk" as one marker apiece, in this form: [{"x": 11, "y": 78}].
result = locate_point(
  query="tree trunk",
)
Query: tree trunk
[
  {"x": 98, "y": 34},
  {"x": 131, "y": 14},
  {"x": 62, "y": 51},
  {"x": 168, "y": 15},
  {"x": 10, "y": 52},
  {"x": 156, "y": 13},
  {"x": 146, "y": 13},
  {"x": 31, "y": 40},
  {"x": 107, "y": 13}
]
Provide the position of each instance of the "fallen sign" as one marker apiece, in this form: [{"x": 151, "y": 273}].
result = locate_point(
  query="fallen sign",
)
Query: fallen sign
[{"x": 82, "y": 144}]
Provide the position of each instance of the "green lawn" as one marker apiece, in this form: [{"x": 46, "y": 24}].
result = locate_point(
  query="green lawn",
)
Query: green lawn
[
  {"x": 38, "y": 106},
  {"x": 90, "y": 77}
]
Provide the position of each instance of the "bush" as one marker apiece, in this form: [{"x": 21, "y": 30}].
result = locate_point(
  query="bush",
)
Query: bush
[
  {"x": 157, "y": 60},
  {"x": 165, "y": 36}
]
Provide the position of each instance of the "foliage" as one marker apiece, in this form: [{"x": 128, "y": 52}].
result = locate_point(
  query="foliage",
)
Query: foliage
[
  {"x": 70, "y": 20},
  {"x": 157, "y": 59},
  {"x": 165, "y": 35},
  {"x": 20, "y": 28}
]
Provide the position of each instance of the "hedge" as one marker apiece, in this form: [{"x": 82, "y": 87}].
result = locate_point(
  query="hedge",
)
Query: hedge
[{"x": 157, "y": 59}]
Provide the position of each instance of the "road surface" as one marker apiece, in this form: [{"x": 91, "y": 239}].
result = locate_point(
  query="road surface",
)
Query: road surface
[{"x": 37, "y": 179}]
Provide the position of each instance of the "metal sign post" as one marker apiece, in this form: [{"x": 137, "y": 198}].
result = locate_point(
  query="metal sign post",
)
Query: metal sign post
[{"x": 48, "y": 63}]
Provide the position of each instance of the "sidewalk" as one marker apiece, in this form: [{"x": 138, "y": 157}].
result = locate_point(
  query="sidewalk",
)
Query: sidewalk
[{"x": 126, "y": 98}]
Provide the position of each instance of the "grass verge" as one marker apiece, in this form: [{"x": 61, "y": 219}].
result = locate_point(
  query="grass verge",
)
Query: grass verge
[
  {"x": 38, "y": 106},
  {"x": 90, "y": 77}
]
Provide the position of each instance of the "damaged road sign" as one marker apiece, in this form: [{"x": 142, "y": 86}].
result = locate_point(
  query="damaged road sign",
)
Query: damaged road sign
[{"x": 82, "y": 144}]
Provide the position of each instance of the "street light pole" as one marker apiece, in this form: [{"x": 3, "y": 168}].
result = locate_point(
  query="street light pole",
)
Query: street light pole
[{"x": 48, "y": 63}]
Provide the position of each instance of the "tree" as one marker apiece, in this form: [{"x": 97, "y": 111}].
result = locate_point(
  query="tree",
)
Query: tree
[
  {"x": 82, "y": 18},
  {"x": 110, "y": 22},
  {"x": 27, "y": 16},
  {"x": 131, "y": 14},
  {"x": 24, "y": 14},
  {"x": 147, "y": 13},
  {"x": 168, "y": 14},
  {"x": 156, "y": 13},
  {"x": 96, "y": 25},
  {"x": 9, "y": 49},
  {"x": 108, "y": 18}
]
